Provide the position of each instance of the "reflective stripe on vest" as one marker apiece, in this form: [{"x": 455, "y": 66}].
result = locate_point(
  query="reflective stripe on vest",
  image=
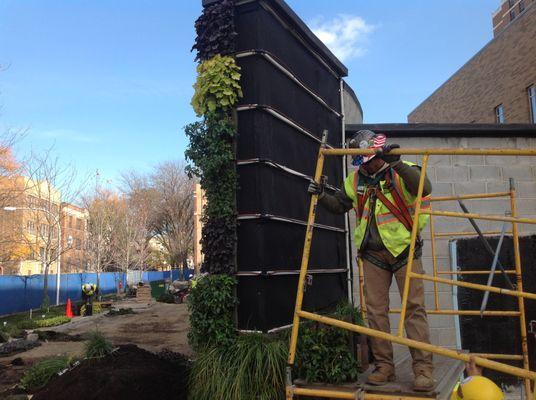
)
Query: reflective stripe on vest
[{"x": 395, "y": 236}]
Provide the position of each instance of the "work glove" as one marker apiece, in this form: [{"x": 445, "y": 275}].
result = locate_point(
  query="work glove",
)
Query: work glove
[
  {"x": 385, "y": 156},
  {"x": 316, "y": 188}
]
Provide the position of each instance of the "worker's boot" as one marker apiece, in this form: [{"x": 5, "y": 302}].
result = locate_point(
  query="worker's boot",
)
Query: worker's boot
[
  {"x": 424, "y": 380},
  {"x": 381, "y": 375}
]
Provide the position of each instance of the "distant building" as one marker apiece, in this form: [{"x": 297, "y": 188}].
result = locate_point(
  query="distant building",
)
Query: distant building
[
  {"x": 497, "y": 85},
  {"x": 74, "y": 238},
  {"x": 507, "y": 12},
  {"x": 28, "y": 226},
  {"x": 199, "y": 203}
]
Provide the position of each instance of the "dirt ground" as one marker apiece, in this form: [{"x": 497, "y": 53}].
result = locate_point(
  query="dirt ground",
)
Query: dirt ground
[{"x": 153, "y": 327}]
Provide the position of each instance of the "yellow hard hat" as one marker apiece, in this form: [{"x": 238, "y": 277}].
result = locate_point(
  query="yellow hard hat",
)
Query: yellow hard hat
[{"x": 477, "y": 388}]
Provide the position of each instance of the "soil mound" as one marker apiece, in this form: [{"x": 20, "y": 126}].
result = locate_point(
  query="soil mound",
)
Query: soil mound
[{"x": 128, "y": 373}]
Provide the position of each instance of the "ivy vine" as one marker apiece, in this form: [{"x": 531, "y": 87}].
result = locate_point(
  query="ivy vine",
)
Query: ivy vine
[
  {"x": 219, "y": 241},
  {"x": 211, "y": 304},
  {"x": 215, "y": 30},
  {"x": 211, "y": 156},
  {"x": 217, "y": 86},
  {"x": 325, "y": 353}
]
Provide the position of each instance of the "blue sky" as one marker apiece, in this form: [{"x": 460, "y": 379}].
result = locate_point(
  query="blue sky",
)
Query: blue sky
[{"x": 108, "y": 84}]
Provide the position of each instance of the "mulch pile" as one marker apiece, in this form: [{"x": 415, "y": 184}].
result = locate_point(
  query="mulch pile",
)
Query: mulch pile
[{"x": 128, "y": 373}]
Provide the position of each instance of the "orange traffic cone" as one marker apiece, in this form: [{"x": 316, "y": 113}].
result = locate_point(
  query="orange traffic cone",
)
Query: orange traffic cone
[{"x": 68, "y": 309}]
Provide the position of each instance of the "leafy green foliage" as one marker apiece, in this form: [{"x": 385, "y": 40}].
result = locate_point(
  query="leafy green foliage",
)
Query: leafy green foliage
[
  {"x": 218, "y": 85},
  {"x": 211, "y": 157},
  {"x": 41, "y": 373},
  {"x": 14, "y": 325},
  {"x": 44, "y": 322},
  {"x": 211, "y": 304},
  {"x": 218, "y": 241},
  {"x": 252, "y": 367},
  {"x": 325, "y": 353},
  {"x": 98, "y": 346},
  {"x": 215, "y": 30}
]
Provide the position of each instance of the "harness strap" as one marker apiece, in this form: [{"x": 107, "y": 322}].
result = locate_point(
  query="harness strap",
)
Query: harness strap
[{"x": 399, "y": 209}]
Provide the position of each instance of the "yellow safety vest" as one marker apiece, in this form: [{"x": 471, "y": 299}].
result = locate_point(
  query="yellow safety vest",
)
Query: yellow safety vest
[
  {"x": 89, "y": 290},
  {"x": 395, "y": 236}
]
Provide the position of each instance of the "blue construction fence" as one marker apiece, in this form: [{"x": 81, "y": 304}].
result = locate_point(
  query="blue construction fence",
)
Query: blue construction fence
[{"x": 21, "y": 293}]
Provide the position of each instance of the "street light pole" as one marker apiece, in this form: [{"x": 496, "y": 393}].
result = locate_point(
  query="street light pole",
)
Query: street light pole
[{"x": 58, "y": 261}]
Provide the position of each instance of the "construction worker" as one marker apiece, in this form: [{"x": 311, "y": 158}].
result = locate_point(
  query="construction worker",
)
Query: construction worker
[
  {"x": 475, "y": 386},
  {"x": 382, "y": 192},
  {"x": 89, "y": 290}
]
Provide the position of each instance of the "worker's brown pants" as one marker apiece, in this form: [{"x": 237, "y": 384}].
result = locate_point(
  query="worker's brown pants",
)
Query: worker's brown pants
[{"x": 377, "y": 283}]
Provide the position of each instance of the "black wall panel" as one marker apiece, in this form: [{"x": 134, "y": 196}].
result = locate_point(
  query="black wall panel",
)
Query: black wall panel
[
  {"x": 259, "y": 29},
  {"x": 275, "y": 161},
  {"x": 271, "y": 298},
  {"x": 496, "y": 334}
]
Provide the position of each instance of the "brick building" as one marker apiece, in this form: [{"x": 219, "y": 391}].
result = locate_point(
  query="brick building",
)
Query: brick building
[
  {"x": 74, "y": 228},
  {"x": 507, "y": 12},
  {"x": 497, "y": 85}
]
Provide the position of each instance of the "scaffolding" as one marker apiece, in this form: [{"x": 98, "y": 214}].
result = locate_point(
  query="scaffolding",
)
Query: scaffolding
[{"x": 483, "y": 360}]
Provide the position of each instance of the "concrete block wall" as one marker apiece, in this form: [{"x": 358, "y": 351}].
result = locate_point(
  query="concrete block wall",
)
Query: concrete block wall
[{"x": 453, "y": 175}]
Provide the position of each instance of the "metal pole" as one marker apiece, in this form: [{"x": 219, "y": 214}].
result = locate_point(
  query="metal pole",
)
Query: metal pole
[
  {"x": 519, "y": 282},
  {"x": 362, "y": 300},
  {"x": 433, "y": 152},
  {"x": 486, "y": 244},
  {"x": 305, "y": 256},
  {"x": 414, "y": 233},
  {"x": 469, "y": 285},
  {"x": 531, "y": 221},
  {"x": 58, "y": 268},
  {"x": 434, "y": 261},
  {"x": 493, "y": 267}
]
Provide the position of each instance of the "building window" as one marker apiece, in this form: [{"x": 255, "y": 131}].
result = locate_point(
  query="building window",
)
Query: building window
[
  {"x": 521, "y": 6},
  {"x": 512, "y": 15},
  {"x": 499, "y": 114},
  {"x": 78, "y": 224},
  {"x": 78, "y": 244},
  {"x": 43, "y": 230},
  {"x": 511, "y": 3},
  {"x": 70, "y": 221},
  {"x": 30, "y": 226},
  {"x": 532, "y": 103}
]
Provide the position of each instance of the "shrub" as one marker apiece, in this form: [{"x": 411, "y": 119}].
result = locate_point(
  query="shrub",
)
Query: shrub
[
  {"x": 44, "y": 322},
  {"x": 41, "y": 373},
  {"x": 252, "y": 367},
  {"x": 215, "y": 31},
  {"x": 218, "y": 85},
  {"x": 211, "y": 304},
  {"x": 325, "y": 353},
  {"x": 166, "y": 298},
  {"x": 97, "y": 346}
]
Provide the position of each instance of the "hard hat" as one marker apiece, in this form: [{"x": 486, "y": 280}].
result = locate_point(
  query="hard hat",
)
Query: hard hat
[
  {"x": 477, "y": 388},
  {"x": 366, "y": 139}
]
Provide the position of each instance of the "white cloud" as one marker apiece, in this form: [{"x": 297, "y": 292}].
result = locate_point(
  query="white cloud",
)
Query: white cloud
[
  {"x": 345, "y": 35},
  {"x": 67, "y": 135}
]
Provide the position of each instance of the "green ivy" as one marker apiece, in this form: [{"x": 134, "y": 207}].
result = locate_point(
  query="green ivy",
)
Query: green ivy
[
  {"x": 217, "y": 86},
  {"x": 218, "y": 241},
  {"x": 325, "y": 353},
  {"x": 211, "y": 304},
  {"x": 211, "y": 157}
]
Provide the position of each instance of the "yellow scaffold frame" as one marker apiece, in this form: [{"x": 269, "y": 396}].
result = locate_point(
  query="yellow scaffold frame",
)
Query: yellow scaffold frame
[{"x": 483, "y": 360}]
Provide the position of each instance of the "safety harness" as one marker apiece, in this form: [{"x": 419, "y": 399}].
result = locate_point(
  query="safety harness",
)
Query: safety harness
[{"x": 399, "y": 209}]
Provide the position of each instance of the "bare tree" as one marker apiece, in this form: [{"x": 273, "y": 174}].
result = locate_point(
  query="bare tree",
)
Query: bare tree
[
  {"x": 166, "y": 195},
  {"x": 48, "y": 182}
]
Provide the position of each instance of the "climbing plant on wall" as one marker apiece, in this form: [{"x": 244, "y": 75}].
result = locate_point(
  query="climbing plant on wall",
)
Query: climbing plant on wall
[{"x": 215, "y": 30}]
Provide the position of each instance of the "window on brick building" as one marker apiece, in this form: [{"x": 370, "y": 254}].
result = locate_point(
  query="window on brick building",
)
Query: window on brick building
[
  {"x": 521, "y": 6},
  {"x": 70, "y": 221},
  {"x": 78, "y": 223},
  {"x": 511, "y": 3},
  {"x": 30, "y": 226},
  {"x": 512, "y": 15},
  {"x": 499, "y": 114},
  {"x": 532, "y": 103}
]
